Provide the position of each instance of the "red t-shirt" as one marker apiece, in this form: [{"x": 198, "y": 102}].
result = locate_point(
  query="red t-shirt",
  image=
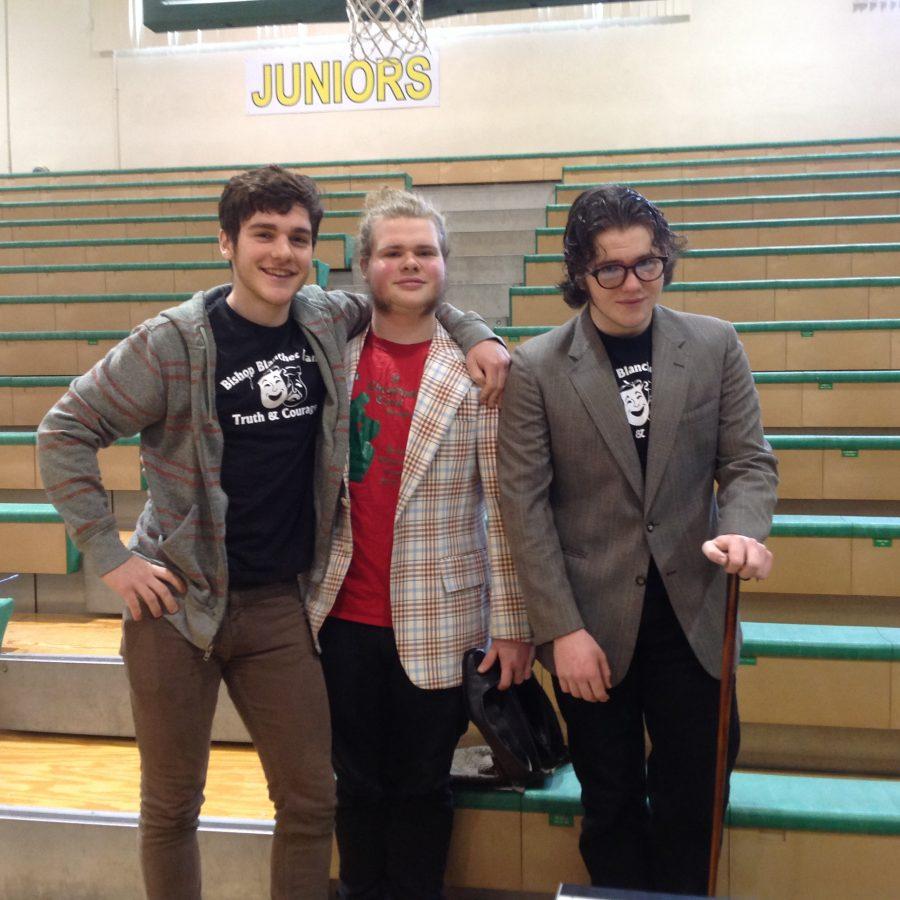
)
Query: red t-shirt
[{"x": 384, "y": 397}]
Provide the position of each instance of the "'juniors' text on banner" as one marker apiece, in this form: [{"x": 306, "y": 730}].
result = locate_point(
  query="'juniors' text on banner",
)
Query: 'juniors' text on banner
[{"x": 305, "y": 83}]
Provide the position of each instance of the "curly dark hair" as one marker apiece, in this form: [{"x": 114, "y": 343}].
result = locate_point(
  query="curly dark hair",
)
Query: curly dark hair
[
  {"x": 267, "y": 189},
  {"x": 599, "y": 209}
]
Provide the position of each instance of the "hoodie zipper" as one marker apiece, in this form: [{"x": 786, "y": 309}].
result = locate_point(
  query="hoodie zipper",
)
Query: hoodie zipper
[{"x": 211, "y": 420}]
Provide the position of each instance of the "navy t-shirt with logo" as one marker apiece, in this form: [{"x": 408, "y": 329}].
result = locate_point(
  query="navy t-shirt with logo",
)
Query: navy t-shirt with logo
[
  {"x": 269, "y": 395},
  {"x": 632, "y": 364}
]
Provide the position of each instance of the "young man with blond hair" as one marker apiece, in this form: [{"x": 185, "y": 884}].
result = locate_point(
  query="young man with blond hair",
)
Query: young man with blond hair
[{"x": 417, "y": 573}]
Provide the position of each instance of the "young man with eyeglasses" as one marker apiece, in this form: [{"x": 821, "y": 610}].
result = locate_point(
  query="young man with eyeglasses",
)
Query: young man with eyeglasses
[{"x": 616, "y": 429}]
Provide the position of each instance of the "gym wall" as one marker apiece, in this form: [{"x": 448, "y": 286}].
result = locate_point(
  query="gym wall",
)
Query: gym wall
[{"x": 80, "y": 96}]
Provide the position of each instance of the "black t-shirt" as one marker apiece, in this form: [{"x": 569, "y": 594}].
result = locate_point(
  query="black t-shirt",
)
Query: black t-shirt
[
  {"x": 269, "y": 395},
  {"x": 632, "y": 365}
]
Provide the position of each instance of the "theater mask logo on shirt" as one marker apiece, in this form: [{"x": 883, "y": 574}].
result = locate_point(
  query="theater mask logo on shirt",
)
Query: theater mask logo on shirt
[
  {"x": 282, "y": 385},
  {"x": 637, "y": 402}
]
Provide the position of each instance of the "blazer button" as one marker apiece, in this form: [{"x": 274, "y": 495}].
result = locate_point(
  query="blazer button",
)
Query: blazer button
[
  {"x": 640, "y": 580},
  {"x": 650, "y": 526}
]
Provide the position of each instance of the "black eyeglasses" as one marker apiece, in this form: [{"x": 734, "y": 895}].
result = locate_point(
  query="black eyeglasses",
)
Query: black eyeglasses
[{"x": 614, "y": 276}]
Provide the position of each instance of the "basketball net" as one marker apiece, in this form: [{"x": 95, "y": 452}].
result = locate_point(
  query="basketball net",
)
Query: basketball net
[{"x": 384, "y": 29}]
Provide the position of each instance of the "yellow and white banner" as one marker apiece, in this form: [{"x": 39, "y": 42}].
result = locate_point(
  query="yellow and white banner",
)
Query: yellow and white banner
[{"x": 335, "y": 82}]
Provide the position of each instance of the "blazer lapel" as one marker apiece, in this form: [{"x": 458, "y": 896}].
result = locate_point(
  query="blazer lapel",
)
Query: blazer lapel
[
  {"x": 444, "y": 385},
  {"x": 670, "y": 386},
  {"x": 594, "y": 382},
  {"x": 351, "y": 358}
]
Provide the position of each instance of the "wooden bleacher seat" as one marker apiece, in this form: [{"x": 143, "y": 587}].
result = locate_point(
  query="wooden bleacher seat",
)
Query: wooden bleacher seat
[
  {"x": 54, "y": 352},
  {"x": 88, "y": 312},
  {"x": 335, "y": 250},
  {"x": 775, "y": 346},
  {"x": 830, "y": 399},
  {"x": 843, "y": 555},
  {"x": 33, "y": 539},
  {"x": 781, "y": 206},
  {"x": 480, "y": 169},
  {"x": 198, "y": 224},
  {"x": 101, "y": 311},
  {"x": 789, "y": 299},
  {"x": 747, "y": 185},
  {"x": 764, "y": 232},
  {"x": 184, "y": 187},
  {"x": 835, "y": 344},
  {"x": 147, "y": 206},
  {"x": 752, "y": 263},
  {"x": 837, "y": 467},
  {"x": 854, "y": 398},
  {"x": 740, "y": 165},
  {"x": 120, "y": 466}
]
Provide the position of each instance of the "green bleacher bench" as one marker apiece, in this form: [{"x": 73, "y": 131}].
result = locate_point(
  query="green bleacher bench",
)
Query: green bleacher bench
[
  {"x": 776, "y": 299},
  {"x": 761, "y": 232},
  {"x": 33, "y": 540},
  {"x": 120, "y": 277},
  {"x": 73, "y": 312},
  {"x": 830, "y": 398},
  {"x": 814, "y": 399},
  {"x": 833, "y": 555},
  {"x": 38, "y": 209},
  {"x": 98, "y": 190},
  {"x": 837, "y": 467},
  {"x": 819, "y": 697},
  {"x": 787, "y": 183},
  {"x": 805, "y": 162},
  {"x": 196, "y": 224},
  {"x": 120, "y": 464},
  {"x": 822, "y": 203},
  {"x": 753, "y": 263},
  {"x": 778, "y": 640},
  {"x": 534, "y": 166},
  {"x": 839, "y": 837},
  {"x": 335, "y": 250},
  {"x": 6, "y": 611},
  {"x": 54, "y": 352},
  {"x": 771, "y": 346}
]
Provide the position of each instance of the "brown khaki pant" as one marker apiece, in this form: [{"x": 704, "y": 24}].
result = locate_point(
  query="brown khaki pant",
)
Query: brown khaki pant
[{"x": 265, "y": 654}]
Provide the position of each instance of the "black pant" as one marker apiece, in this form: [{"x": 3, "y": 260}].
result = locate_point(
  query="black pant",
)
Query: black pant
[
  {"x": 393, "y": 746},
  {"x": 648, "y": 824}
]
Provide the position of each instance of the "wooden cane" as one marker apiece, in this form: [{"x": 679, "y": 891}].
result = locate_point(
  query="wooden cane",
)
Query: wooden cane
[{"x": 725, "y": 698}]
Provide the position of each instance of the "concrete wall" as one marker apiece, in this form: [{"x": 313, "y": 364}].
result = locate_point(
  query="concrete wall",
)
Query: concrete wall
[{"x": 80, "y": 95}]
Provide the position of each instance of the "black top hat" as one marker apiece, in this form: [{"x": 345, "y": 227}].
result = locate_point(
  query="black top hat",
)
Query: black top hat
[{"x": 519, "y": 724}]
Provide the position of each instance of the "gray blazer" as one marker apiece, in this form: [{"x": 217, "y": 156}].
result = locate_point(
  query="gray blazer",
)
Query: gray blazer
[{"x": 581, "y": 520}]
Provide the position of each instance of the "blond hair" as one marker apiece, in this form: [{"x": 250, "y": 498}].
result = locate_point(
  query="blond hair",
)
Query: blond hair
[{"x": 391, "y": 203}]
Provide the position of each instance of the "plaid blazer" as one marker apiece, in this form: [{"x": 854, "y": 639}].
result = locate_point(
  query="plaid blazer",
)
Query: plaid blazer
[{"x": 452, "y": 577}]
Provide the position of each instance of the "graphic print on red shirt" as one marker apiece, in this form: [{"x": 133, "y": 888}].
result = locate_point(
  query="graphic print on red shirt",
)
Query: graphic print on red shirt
[{"x": 383, "y": 401}]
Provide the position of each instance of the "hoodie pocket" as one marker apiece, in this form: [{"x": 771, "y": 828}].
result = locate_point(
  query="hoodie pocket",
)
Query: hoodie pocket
[{"x": 178, "y": 550}]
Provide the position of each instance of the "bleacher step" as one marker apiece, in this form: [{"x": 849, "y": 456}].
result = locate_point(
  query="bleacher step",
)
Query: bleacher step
[{"x": 831, "y": 837}]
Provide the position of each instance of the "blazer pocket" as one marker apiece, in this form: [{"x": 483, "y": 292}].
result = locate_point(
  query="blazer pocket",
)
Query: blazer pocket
[{"x": 464, "y": 571}]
